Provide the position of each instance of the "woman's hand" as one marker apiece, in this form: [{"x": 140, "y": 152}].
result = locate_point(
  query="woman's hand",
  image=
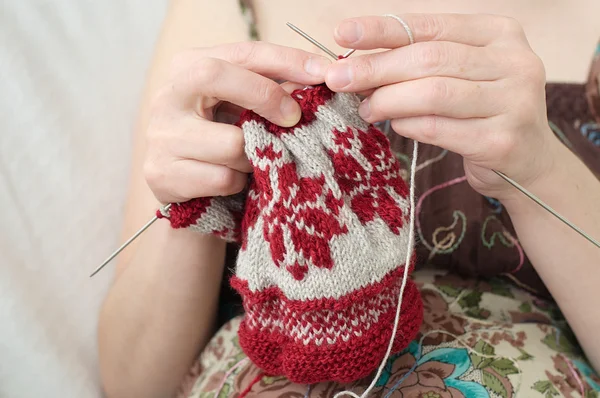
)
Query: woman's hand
[
  {"x": 470, "y": 84},
  {"x": 189, "y": 153}
]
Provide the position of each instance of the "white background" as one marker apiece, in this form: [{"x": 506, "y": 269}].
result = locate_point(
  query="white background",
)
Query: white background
[{"x": 71, "y": 73}]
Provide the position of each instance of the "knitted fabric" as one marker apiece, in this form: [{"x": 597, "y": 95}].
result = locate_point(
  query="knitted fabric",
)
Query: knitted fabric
[{"x": 323, "y": 232}]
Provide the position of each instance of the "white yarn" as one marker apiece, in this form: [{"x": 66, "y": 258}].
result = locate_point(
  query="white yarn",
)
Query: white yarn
[{"x": 409, "y": 251}]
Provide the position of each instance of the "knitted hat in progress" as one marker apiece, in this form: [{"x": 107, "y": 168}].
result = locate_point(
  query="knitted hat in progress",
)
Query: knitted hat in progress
[{"x": 323, "y": 228}]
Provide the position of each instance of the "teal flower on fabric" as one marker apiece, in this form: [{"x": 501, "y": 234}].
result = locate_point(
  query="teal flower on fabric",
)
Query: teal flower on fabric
[
  {"x": 436, "y": 373},
  {"x": 591, "y": 131},
  {"x": 588, "y": 374}
]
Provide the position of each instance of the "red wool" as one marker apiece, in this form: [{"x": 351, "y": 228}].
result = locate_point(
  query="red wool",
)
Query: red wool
[{"x": 323, "y": 232}]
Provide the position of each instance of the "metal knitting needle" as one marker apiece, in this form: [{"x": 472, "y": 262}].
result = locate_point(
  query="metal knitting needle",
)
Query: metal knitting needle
[
  {"x": 313, "y": 41},
  {"x": 506, "y": 178},
  {"x": 316, "y": 43},
  {"x": 124, "y": 245},
  {"x": 547, "y": 208},
  {"x": 335, "y": 57}
]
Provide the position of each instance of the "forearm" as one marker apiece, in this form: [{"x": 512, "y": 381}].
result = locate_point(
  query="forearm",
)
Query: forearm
[
  {"x": 160, "y": 312},
  {"x": 568, "y": 263}
]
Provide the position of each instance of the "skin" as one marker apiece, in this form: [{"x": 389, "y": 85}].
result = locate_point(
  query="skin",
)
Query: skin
[{"x": 478, "y": 94}]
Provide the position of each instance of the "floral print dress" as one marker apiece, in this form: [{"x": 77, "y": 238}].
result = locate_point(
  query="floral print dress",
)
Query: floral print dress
[
  {"x": 490, "y": 328},
  {"x": 480, "y": 338}
]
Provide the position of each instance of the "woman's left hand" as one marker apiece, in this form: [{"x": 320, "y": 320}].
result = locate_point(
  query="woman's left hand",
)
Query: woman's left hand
[{"x": 470, "y": 84}]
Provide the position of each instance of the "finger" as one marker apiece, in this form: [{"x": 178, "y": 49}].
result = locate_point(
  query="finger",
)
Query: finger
[
  {"x": 439, "y": 96},
  {"x": 371, "y": 32},
  {"x": 467, "y": 137},
  {"x": 290, "y": 87},
  {"x": 213, "y": 80},
  {"x": 444, "y": 59},
  {"x": 270, "y": 60},
  {"x": 211, "y": 142},
  {"x": 187, "y": 179},
  {"x": 230, "y": 113}
]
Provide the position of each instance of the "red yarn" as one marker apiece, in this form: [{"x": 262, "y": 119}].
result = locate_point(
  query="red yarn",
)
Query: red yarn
[
  {"x": 308, "y": 99},
  {"x": 342, "y": 362},
  {"x": 318, "y": 191},
  {"x": 185, "y": 214},
  {"x": 252, "y": 383}
]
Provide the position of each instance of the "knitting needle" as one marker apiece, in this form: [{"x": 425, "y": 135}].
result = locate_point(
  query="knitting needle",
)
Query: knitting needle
[
  {"x": 547, "y": 208},
  {"x": 313, "y": 41},
  {"x": 503, "y": 176},
  {"x": 335, "y": 57},
  {"x": 149, "y": 223},
  {"x": 124, "y": 245}
]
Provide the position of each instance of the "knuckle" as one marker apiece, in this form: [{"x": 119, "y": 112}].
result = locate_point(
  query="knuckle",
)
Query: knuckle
[
  {"x": 510, "y": 26},
  {"x": 430, "y": 128},
  {"x": 368, "y": 68},
  {"x": 159, "y": 101},
  {"x": 226, "y": 181},
  {"x": 153, "y": 174},
  {"x": 533, "y": 69},
  {"x": 265, "y": 92},
  {"x": 503, "y": 144},
  {"x": 235, "y": 146},
  {"x": 431, "y": 27},
  {"x": 204, "y": 71},
  {"x": 242, "y": 53},
  {"x": 430, "y": 55},
  {"x": 438, "y": 90},
  {"x": 382, "y": 27}
]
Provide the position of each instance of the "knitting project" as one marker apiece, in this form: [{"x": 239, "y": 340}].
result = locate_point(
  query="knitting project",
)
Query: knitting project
[{"x": 323, "y": 232}]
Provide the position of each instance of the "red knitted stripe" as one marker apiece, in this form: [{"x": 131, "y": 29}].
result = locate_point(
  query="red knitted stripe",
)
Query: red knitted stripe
[
  {"x": 274, "y": 293},
  {"x": 341, "y": 362},
  {"x": 309, "y": 101},
  {"x": 183, "y": 215}
]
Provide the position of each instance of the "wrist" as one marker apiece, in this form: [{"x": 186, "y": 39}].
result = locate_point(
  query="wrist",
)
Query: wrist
[{"x": 553, "y": 184}]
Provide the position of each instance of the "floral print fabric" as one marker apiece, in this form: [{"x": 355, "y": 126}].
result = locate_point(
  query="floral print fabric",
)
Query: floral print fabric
[{"x": 478, "y": 339}]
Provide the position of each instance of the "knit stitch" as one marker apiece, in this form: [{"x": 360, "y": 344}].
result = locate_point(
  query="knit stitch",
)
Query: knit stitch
[{"x": 323, "y": 232}]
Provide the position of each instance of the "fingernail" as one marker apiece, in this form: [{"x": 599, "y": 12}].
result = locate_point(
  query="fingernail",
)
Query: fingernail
[
  {"x": 340, "y": 76},
  {"x": 290, "y": 110},
  {"x": 349, "y": 31},
  {"x": 364, "y": 110},
  {"x": 316, "y": 66}
]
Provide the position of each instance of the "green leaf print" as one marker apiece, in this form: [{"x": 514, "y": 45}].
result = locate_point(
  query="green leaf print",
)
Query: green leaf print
[
  {"x": 484, "y": 348},
  {"x": 524, "y": 355},
  {"x": 206, "y": 394},
  {"x": 525, "y": 307},
  {"x": 470, "y": 303},
  {"x": 470, "y": 300},
  {"x": 561, "y": 344},
  {"x": 480, "y": 362},
  {"x": 500, "y": 288},
  {"x": 504, "y": 366},
  {"x": 493, "y": 383},
  {"x": 271, "y": 380},
  {"x": 224, "y": 391},
  {"x": 449, "y": 290},
  {"x": 478, "y": 313},
  {"x": 591, "y": 394},
  {"x": 545, "y": 387}
]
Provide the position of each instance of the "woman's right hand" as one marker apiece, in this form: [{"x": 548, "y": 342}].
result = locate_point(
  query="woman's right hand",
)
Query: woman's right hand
[{"x": 190, "y": 154}]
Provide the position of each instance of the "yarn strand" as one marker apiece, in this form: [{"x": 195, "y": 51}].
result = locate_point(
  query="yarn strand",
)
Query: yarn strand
[{"x": 409, "y": 253}]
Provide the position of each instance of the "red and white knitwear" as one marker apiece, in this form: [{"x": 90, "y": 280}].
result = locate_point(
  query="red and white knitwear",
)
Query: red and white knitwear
[{"x": 324, "y": 233}]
